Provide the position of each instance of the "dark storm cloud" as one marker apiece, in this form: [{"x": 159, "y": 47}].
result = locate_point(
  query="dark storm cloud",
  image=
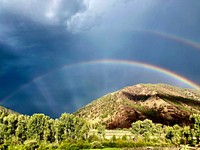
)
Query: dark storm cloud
[
  {"x": 38, "y": 37},
  {"x": 32, "y": 49}
]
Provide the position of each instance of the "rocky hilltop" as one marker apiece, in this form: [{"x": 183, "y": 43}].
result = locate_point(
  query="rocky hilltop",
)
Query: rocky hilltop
[{"x": 161, "y": 103}]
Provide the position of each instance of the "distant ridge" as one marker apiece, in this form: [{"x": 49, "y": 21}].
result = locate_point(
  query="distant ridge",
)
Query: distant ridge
[{"x": 161, "y": 103}]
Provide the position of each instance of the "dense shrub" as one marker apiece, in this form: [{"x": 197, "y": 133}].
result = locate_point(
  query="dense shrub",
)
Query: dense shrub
[
  {"x": 96, "y": 144},
  {"x": 93, "y": 138},
  {"x": 109, "y": 144}
]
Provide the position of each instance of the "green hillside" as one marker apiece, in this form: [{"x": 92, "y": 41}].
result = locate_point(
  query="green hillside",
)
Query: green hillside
[
  {"x": 159, "y": 102},
  {"x": 122, "y": 109}
]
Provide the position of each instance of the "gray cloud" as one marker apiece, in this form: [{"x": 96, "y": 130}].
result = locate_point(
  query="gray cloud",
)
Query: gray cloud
[
  {"x": 45, "y": 11},
  {"x": 92, "y": 16},
  {"x": 108, "y": 12},
  {"x": 75, "y": 15},
  {"x": 83, "y": 21}
]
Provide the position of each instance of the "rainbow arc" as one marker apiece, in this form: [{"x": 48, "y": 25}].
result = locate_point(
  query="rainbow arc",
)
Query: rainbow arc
[{"x": 116, "y": 62}]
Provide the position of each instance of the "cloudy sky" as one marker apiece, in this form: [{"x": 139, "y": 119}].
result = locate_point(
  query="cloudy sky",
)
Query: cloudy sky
[{"x": 58, "y": 55}]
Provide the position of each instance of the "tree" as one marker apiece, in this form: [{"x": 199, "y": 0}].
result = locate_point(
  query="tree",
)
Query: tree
[
  {"x": 59, "y": 130},
  {"x": 73, "y": 127},
  {"x": 174, "y": 134},
  {"x": 195, "y": 119},
  {"x": 36, "y": 126},
  {"x": 82, "y": 129},
  {"x": 141, "y": 127},
  {"x": 101, "y": 130},
  {"x": 21, "y": 128},
  {"x": 2, "y": 130},
  {"x": 146, "y": 126},
  {"x": 49, "y": 131},
  {"x": 11, "y": 124},
  {"x": 136, "y": 127},
  {"x": 66, "y": 125},
  {"x": 169, "y": 133},
  {"x": 186, "y": 133}
]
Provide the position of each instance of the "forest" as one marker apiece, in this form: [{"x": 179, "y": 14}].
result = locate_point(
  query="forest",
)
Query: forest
[{"x": 69, "y": 132}]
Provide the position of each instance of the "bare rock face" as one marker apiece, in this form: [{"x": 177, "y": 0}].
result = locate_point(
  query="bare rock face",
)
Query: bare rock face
[
  {"x": 159, "y": 102},
  {"x": 124, "y": 118}
]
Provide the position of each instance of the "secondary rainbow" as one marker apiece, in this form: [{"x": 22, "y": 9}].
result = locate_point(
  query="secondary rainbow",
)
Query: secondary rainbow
[{"x": 173, "y": 37}]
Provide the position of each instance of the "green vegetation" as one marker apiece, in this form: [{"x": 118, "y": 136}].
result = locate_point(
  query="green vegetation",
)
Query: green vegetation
[
  {"x": 70, "y": 132},
  {"x": 30, "y": 132},
  {"x": 157, "y": 134},
  {"x": 160, "y": 103}
]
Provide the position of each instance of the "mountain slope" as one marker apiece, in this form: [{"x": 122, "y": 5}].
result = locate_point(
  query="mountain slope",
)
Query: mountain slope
[
  {"x": 159, "y": 102},
  {"x": 6, "y": 111}
]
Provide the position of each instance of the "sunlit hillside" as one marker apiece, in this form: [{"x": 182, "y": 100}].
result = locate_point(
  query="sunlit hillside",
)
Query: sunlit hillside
[{"x": 161, "y": 103}]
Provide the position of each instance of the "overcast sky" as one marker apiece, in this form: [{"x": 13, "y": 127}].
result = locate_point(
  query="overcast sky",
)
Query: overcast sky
[{"x": 39, "y": 37}]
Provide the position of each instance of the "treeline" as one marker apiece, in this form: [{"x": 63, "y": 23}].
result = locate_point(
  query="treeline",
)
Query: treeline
[
  {"x": 30, "y": 132},
  {"x": 149, "y": 132},
  {"x": 70, "y": 132}
]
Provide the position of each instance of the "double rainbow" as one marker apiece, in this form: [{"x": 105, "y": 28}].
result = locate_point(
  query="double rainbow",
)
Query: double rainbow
[{"x": 116, "y": 62}]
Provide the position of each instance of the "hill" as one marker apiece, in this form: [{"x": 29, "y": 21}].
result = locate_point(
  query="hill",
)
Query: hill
[
  {"x": 161, "y": 103},
  {"x": 6, "y": 111}
]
